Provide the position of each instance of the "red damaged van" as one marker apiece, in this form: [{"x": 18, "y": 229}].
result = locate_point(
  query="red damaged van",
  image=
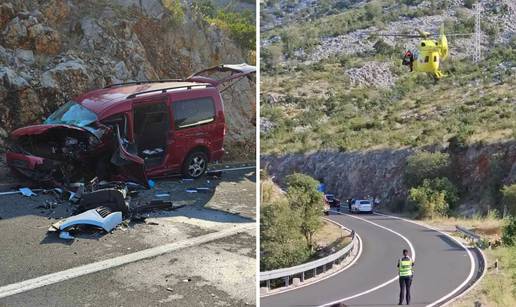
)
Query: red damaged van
[{"x": 131, "y": 131}]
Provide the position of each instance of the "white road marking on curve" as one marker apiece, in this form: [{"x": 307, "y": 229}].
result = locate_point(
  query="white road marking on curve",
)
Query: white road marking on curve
[
  {"x": 382, "y": 284},
  {"x": 472, "y": 261}
]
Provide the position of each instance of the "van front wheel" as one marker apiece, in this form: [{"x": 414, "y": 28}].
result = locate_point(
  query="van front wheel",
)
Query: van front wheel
[{"x": 195, "y": 164}]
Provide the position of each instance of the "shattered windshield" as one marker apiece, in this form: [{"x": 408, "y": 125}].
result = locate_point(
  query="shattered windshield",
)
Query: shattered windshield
[{"x": 72, "y": 113}]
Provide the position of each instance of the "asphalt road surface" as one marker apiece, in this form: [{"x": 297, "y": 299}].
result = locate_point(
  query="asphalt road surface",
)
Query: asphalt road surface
[
  {"x": 215, "y": 272},
  {"x": 441, "y": 266}
]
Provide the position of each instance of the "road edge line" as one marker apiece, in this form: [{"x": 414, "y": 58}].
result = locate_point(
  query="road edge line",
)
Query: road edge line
[
  {"x": 454, "y": 299},
  {"x": 472, "y": 261},
  {"x": 347, "y": 266},
  {"x": 380, "y": 285},
  {"x": 56, "y": 277}
]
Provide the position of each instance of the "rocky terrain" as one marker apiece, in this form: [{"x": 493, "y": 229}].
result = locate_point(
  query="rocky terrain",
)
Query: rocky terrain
[
  {"x": 338, "y": 105},
  {"x": 356, "y": 42},
  {"x": 51, "y": 51},
  {"x": 379, "y": 173}
]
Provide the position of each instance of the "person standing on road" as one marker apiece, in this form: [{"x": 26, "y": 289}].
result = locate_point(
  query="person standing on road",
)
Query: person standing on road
[{"x": 405, "y": 268}]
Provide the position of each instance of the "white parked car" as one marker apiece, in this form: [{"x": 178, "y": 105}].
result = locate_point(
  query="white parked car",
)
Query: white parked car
[{"x": 361, "y": 205}]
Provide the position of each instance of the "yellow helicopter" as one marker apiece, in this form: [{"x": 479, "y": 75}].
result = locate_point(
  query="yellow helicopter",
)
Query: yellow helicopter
[{"x": 429, "y": 55}]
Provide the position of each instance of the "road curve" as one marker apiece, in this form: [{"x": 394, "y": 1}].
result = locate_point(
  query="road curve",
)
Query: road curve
[{"x": 441, "y": 266}]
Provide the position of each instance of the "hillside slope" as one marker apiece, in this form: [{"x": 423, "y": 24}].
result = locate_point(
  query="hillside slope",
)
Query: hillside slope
[{"x": 338, "y": 104}]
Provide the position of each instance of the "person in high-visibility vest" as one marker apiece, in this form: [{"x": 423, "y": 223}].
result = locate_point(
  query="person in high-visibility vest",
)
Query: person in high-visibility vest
[{"x": 406, "y": 269}]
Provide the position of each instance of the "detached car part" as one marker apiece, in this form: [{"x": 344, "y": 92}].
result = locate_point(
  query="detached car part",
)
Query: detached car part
[
  {"x": 111, "y": 198},
  {"x": 100, "y": 217}
]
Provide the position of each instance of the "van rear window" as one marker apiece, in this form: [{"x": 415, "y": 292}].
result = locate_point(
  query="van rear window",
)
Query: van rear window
[{"x": 193, "y": 112}]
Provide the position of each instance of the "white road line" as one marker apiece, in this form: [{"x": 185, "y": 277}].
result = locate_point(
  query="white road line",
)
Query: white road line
[
  {"x": 234, "y": 168},
  {"x": 472, "y": 261},
  {"x": 474, "y": 284},
  {"x": 382, "y": 284},
  {"x": 308, "y": 283},
  {"x": 53, "y": 278}
]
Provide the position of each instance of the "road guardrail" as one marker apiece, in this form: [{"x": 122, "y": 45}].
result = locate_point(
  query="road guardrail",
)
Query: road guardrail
[
  {"x": 323, "y": 264},
  {"x": 468, "y": 233}
]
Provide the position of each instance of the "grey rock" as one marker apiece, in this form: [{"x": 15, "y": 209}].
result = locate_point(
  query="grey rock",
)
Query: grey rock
[
  {"x": 11, "y": 79},
  {"x": 25, "y": 56},
  {"x": 121, "y": 71}
]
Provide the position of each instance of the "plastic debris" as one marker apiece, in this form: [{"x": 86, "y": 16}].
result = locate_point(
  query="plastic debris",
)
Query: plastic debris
[
  {"x": 151, "y": 183},
  {"x": 26, "y": 192},
  {"x": 65, "y": 235},
  {"x": 162, "y": 194}
]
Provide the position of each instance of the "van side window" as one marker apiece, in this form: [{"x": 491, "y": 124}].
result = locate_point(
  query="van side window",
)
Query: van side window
[
  {"x": 117, "y": 120},
  {"x": 193, "y": 112}
]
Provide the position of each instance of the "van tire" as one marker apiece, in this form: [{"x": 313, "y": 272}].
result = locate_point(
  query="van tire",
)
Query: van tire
[{"x": 195, "y": 164}]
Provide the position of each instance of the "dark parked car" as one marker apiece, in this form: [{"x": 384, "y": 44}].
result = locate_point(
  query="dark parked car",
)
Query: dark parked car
[
  {"x": 332, "y": 201},
  {"x": 130, "y": 131}
]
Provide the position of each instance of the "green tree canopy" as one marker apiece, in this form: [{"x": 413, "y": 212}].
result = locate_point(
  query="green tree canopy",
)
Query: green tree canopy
[
  {"x": 281, "y": 242},
  {"x": 306, "y": 200},
  {"x": 426, "y": 165}
]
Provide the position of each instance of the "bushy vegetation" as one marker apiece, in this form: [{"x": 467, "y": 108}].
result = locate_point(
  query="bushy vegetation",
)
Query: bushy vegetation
[
  {"x": 509, "y": 199},
  {"x": 288, "y": 224},
  {"x": 509, "y": 232},
  {"x": 318, "y": 108},
  {"x": 240, "y": 25},
  {"x": 307, "y": 202},
  {"x": 426, "y": 165},
  {"x": 281, "y": 242}
]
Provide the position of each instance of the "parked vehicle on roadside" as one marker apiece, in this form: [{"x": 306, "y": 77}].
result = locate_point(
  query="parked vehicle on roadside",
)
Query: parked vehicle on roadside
[
  {"x": 332, "y": 201},
  {"x": 131, "y": 130},
  {"x": 361, "y": 205}
]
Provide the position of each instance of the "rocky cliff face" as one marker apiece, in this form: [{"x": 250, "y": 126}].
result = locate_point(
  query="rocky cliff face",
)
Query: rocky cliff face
[
  {"x": 380, "y": 172},
  {"x": 51, "y": 51}
]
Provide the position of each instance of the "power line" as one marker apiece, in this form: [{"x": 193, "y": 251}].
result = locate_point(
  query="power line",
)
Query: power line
[{"x": 477, "y": 55}]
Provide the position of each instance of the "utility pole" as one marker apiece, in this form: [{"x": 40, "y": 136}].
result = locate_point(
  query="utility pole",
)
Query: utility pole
[{"x": 477, "y": 54}]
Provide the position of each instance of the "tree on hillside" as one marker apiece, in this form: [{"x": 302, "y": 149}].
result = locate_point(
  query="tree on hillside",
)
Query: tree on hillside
[
  {"x": 304, "y": 199},
  {"x": 281, "y": 242},
  {"x": 426, "y": 165}
]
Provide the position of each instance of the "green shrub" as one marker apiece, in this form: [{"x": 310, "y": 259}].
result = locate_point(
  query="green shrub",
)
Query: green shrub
[
  {"x": 281, "y": 242},
  {"x": 509, "y": 199},
  {"x": 175, "y": 8},
  {"x": 306, "y": 200},
  {"x": 428, "y": 202},
  {"x": 444, "y": 185},
  {"x": 509, "y": 232},
  {"x": 425, "y": 165},
  {"x": 241, "y": 27}
]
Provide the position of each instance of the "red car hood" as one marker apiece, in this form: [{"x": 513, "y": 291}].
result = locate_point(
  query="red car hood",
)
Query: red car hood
[{"x": 39, "y": 129}]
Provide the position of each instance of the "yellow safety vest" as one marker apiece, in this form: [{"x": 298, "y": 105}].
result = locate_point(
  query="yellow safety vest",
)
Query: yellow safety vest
[{"x": 405, "y": 267}]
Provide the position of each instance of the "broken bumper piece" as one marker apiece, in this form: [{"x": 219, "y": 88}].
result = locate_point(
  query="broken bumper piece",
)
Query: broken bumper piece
[{"x": 100, "y": 217}]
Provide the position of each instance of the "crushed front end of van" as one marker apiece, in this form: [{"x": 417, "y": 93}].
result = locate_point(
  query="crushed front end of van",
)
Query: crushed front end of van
[{"x": 94, "y": 136}]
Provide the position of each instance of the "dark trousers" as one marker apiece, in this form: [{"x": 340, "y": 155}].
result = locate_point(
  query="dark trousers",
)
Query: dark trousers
[{"x": 405, "y": 283}]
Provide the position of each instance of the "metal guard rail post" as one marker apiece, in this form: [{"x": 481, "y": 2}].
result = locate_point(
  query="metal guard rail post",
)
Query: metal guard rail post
[
  {"x": 312, "y": 265},
  {"x": 470, "y": 234}
]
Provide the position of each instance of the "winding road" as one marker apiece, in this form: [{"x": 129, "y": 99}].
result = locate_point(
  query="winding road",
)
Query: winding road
[{"x": 443, "y": 268}]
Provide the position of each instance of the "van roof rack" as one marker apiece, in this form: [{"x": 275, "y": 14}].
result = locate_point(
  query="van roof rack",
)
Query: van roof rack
[
  {"x": 164, "y": 90},
  {"x": 143, "y": 82}
]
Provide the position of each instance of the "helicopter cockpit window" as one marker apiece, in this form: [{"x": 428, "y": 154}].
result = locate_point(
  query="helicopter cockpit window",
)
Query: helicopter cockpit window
[{"x": 426, "y": 59}]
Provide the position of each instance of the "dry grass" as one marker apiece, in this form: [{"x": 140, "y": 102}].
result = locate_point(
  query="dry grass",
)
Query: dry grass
[
  {"x": 331, "y": 235},
  {"x": 496, "y": 289},
  {"x": 488, "y": 226}
]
